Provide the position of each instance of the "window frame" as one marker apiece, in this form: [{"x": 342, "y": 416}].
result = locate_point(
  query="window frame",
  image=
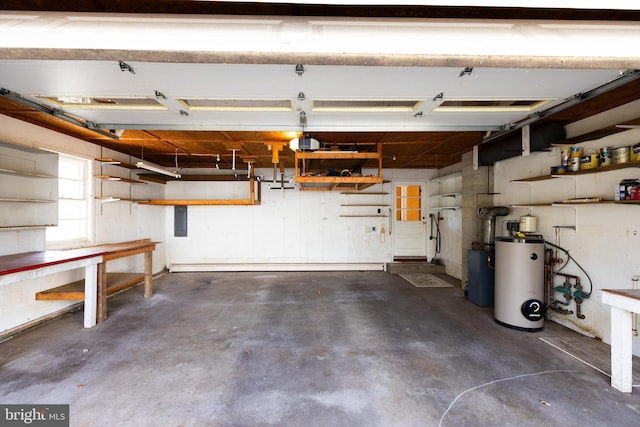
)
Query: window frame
[{"x": 88, "y": 210}]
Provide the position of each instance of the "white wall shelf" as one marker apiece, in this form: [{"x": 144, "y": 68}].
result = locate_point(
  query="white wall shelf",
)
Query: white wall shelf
[
  {"x": 22, "y": 200},
  {"x": 445, "y": 195},
  {"x": 353, "y": 210},
  {"x": 29, "y": 187},
  {"x": 445, "y": 199},
  {"x": 119, "y": 178},
  {"x": 26, "y": 174},
  {"x": 445, "y": 208},
  {"x": 447, "y": 177}
]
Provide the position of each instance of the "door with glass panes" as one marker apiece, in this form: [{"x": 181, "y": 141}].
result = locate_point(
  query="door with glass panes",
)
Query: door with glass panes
[{"x": 409, "y": 220}]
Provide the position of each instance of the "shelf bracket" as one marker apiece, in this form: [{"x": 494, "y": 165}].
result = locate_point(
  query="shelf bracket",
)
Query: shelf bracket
[{"x": 571, "y": 227}]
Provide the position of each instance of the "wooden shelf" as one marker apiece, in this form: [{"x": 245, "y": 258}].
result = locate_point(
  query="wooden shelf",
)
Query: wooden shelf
[
  {"x": 75, "y": 291},
  {"x": 530, "y": 205},
  {"x": 570, "y": 204},
  {"x": 349, "y": 160},
  {"x": 364, "y": 204},
  {"x": 627, "y": 202},
  {"x": 365, "y": 193},
  {"x": 608, "y": 168},
  {"x": 337, "y": 155},
  {"x": 202, "y": 202},
  {"x": 109, "y": 161},
  {"x": 255, "y": 198},
  {"x": 363, "y": 216}
]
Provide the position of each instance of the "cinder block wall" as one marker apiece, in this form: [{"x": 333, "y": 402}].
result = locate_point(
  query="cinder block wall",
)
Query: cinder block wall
[{"x": 475, "y": 186}]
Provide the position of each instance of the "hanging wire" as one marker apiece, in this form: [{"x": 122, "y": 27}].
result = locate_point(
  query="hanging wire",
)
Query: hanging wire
[{"x": 570, "y": 258}]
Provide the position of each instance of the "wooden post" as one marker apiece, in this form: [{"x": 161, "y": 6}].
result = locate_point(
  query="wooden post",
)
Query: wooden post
[
  {"x": 148, "y": 274},
  {"x": 101, "y": 314}
]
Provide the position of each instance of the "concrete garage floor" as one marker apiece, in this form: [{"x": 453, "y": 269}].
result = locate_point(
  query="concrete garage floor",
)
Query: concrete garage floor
[{"x": 305, "y": 349}]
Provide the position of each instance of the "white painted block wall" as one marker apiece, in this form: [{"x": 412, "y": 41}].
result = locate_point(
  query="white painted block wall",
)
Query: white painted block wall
[
  {"x": 113, "y": 222},
  {"x": 290, "y": 226},
  {"x": 606, "y": 241}
]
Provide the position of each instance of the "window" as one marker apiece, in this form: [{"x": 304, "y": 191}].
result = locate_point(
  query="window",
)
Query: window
[
  {"x": 408, "y": 203},
  {"x": 74, "y": 202}
]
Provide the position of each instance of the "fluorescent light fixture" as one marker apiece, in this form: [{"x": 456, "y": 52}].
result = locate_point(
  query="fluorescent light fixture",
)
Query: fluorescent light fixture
[{"x": 157, "y": 169}]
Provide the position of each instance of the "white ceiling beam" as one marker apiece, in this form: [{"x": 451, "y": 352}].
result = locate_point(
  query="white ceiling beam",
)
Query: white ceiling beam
[
  {"x": 533, "y": 4},
  {"x": 576, "y": 43}
]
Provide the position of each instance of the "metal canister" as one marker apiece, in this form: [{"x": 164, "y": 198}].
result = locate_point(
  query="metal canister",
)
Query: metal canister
[
  {"x": 574, "y": 164},
  {"x": 635, "y": 153},
  {"x": 575, "y": 152},
  {"x": 590, "y": 161},
  {"x": 565, "y": 153},
  {"x": 605, "y": 156},
  {"x": 621, "y": 155}
]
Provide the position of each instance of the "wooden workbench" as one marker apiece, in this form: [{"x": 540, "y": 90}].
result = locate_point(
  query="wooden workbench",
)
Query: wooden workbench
[
  {"x": 18, "y": 267},
  {"x": 123, "y": 250},
  {"x": 31, "y": 265}
]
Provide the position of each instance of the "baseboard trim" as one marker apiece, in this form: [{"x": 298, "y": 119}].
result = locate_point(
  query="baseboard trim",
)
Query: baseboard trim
[{"x": 212, "y": 267}]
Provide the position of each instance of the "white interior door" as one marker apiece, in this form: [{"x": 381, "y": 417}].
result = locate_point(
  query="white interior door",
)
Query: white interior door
[{"x": 409, "y": 220}]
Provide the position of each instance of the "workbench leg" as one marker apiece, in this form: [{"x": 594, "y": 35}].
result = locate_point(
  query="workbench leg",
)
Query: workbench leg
[
  {"x": 148, "y": 274},
  {"x": 102, "y": 292},
  {"x": 90, "y": 294},
  {"x": 621, "y": 356}
]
